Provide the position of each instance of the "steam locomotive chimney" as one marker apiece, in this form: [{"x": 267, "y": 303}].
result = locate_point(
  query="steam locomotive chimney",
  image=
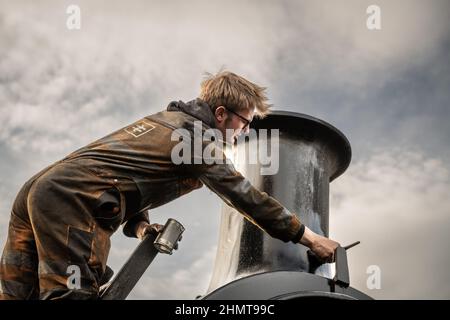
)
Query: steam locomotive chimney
[{"x": 312, "y": 153}]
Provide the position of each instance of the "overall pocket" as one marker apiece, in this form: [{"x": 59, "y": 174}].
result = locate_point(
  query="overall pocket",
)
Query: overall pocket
[{"x": 108, "y": 212}]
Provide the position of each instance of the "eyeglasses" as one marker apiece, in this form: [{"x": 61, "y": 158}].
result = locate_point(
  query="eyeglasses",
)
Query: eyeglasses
[{"x": 246, "y": 121}]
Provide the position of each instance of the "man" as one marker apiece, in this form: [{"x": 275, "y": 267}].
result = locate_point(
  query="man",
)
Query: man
[{"x": 65, "y": 215}]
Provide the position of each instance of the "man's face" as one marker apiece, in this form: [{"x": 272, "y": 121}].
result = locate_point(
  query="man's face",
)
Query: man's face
[{"x": 237, "y": 121}]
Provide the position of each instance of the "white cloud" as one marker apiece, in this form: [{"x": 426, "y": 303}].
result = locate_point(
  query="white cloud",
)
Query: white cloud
[
  {"x": 396, "y": 203},
  {"x": 345, "y": 49}
]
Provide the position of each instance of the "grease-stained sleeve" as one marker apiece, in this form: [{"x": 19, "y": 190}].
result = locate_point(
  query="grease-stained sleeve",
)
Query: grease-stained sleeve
[{"x": 258, "y": 207}]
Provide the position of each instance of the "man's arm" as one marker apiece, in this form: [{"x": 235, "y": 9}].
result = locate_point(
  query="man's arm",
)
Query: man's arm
[
  {"x": 130, "y": 227},
  {"x": 258, "y": 207},
  {"x": 263, "y": 210},
  {"x": 139, "y": 225},
  {"x": 323, "y": 247}
]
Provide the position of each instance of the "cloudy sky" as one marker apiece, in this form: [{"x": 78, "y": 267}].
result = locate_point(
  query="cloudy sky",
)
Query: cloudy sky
[{"x": 387, "y": 90}]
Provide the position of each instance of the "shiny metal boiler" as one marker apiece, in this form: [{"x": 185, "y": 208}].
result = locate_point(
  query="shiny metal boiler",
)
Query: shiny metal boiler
[{"x": 249, "y": 263}]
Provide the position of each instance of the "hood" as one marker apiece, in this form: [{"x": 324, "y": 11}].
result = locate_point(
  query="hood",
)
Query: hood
[{"x": 196, "y": 108}]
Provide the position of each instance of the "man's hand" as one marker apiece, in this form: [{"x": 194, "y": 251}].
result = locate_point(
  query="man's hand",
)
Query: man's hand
[
  {"x": 322, "y": 247},
  {"x": 144, "y": 228}
]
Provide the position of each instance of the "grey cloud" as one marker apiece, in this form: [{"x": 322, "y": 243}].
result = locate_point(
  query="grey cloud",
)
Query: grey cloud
[
  {"x": 115, "y": 68},
  {"x": 376, "y": 86}
]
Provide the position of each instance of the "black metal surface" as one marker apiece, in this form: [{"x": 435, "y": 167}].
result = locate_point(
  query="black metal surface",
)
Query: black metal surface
[
  {"x": 342, "y": 277},
  {"x": 309, "y": 128},
  {"x": 311, "y": 154},
  {"x": 283, "y": 285},
  {"x": 131, "y": 271}
]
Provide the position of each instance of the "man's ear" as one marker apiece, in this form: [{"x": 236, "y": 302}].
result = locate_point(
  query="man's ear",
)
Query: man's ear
[{"x": 220, "y": 113}]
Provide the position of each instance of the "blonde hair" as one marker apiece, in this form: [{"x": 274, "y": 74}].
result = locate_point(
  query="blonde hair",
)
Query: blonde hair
[{"x": 234, "y": 92}]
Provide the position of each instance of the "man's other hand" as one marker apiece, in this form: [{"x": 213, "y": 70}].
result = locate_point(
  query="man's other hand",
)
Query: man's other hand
[{"x": 145, "y": 228}]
